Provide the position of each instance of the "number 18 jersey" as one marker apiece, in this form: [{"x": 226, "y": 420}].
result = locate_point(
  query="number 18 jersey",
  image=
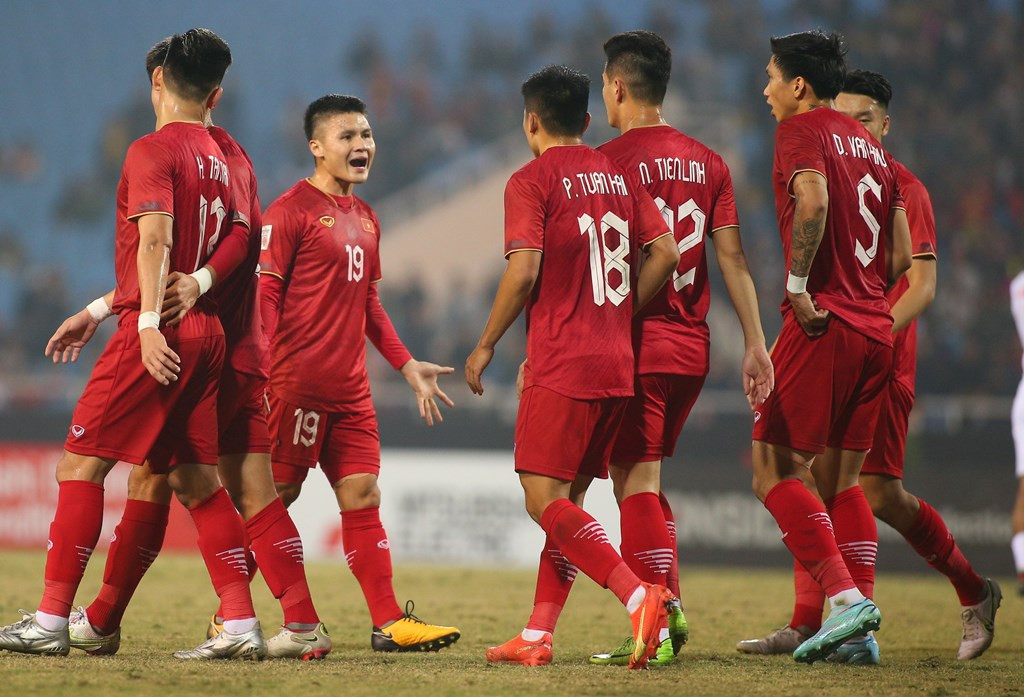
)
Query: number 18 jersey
[
  {"x": 691, "y": 185},
  {"x": 588, "y": 219},
  {"x": 848, "y": 276}
]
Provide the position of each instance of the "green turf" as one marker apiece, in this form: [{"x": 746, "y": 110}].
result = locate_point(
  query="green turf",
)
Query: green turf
[{"x": 919, "y": 637}]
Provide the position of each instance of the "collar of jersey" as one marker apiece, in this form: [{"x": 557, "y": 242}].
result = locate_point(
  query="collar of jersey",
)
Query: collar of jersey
[{"x": 346, "y": 203}]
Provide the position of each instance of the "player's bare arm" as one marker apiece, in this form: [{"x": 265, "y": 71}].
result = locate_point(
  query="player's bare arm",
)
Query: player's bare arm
[
  {"x": 921, "y": 277},
  {"x": 513, "y": 290},
  {"x": 155, "y": 241},
  {"x": 811, "y": 207},
  {"x": 898, "y": 246},
  {"x": 75, "y": 332},
  {"x": 758, "y": 374},
  {"x": 662, "y": 259}
]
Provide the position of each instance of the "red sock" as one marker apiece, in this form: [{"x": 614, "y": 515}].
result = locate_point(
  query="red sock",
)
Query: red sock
[
  {"x": 646, "y": 546},
  {"x": 73, "y": 534},
  {"x": 136, "y": 543},
  {"x": 369, "y": 556},
  {"x": 672, "y": 579},
  {"x": 222, "y": 543},
  {"x": 277, "y": 544},
  {"x": 932, "y": 540},
  {"x": 584, "y": 543},
  {"x": 856, "y": 536},
  {"x": 807, "y": 532},
  {"x": 810, "y": 599},
  {"x": 554, "y": 581},
  {"x": 250, "y": 566}
]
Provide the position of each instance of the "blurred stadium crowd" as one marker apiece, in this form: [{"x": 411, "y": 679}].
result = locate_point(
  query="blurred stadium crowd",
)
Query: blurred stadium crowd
[{"x": 955, "y": 66}]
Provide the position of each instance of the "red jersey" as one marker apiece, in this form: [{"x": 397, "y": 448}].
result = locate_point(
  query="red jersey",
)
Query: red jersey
[
  {"x": 848, "y": 276},
  {"x": 586, "y": 216},
  {"x": 922, "y": 237},
  {"x": 325, "y": 250},
  {"x": 691, "y": 185},
  {"x": 247, "y": 350},
  {"x": 178, "y": 171}
]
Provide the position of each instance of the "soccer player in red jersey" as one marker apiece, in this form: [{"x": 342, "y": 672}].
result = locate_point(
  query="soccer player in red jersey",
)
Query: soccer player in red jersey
[
  {"x": 244, "y": 446},
  {"x": 172, "y": 200},
  {"x": 845, "y": 239},
  {"x": 320, "y": 269},
  {"x": 581, "y": 213},
  {"x": 692, "y": 187},
  {"x": 865, "y": 98}
]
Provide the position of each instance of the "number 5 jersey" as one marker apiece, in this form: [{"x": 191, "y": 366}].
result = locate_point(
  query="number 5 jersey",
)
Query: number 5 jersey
[{"x": 848, "y": 276}]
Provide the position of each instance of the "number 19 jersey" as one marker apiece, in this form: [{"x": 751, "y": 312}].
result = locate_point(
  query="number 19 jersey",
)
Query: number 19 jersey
[
  {"x": 325, "y": 249},
  {"x": 588, "y": 219},
  {"x": 848, "y": 276},
  {"x": 691, "y": 185}
]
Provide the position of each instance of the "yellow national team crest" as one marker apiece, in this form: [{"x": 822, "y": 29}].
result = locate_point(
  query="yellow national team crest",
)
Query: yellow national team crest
[
  {"x": 368, "y": 225},
  {"x": 327, "y": 220}
]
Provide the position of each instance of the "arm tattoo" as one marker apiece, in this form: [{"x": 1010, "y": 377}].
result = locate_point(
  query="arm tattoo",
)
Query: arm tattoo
[{"x": 804, "y": 244}]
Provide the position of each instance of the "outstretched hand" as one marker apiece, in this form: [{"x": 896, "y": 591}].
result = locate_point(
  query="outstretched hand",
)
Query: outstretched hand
[
  {"x": 758, "y": 375},
  {"x": 422, "y": 378},
  {"x": 74, "y": 333}
]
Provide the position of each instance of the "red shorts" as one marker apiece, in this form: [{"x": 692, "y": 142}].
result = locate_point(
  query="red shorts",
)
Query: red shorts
[
  {"x": 562, "y": 437},
  {"x": 887, "y": 452},
  {"x": 343, "y": 443},
  {"x": 655, "y": 417},
  {"x": 241, "y": 414},
  {"x": 828, "y": 390},
  {"x": 125, "y": 414}
]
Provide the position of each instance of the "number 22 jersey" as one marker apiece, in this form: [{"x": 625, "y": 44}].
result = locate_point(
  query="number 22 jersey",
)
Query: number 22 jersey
[
  {"x": 325, "y": 250},
  {"x": 691, "y": 185},
  {"x": 588, "y": 219}
]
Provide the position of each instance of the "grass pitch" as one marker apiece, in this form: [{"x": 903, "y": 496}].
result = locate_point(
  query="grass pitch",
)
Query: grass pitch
[{"x": 919, "y": 637}]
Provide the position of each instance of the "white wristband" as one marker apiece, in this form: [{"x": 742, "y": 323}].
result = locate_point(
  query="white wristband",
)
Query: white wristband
[
  {"x": 98, "y": 309},
  {"x": 149, "y": 320},
  {"x": 204, "y": 278},
  {"x": 796, "y": 284}
]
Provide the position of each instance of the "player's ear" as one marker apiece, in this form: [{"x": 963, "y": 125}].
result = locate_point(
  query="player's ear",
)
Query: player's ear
[
  {"x": 586, "y": 124},
  {"x": 214, "y": 98},
  {"x": 885, "y": 125},
  {"x": 532, "y": 123},
  {"x": 316, "y": 148},
  {"x": 799, "y": 87},
  {"x": 619, "y": 90},
  {"x": 158, "y": 77}
]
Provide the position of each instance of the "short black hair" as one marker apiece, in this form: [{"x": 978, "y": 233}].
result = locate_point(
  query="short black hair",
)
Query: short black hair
[
  {"x": 195, "y": 63},
  {"x": 817, "y": 57},
  {"x": 643, "y": 60},
  {"x": 155, "y": 56},
  {"x": 869, "y": 84},
  {"x": 559, "y": 96},
  {"x": 329, "y": 105}
]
